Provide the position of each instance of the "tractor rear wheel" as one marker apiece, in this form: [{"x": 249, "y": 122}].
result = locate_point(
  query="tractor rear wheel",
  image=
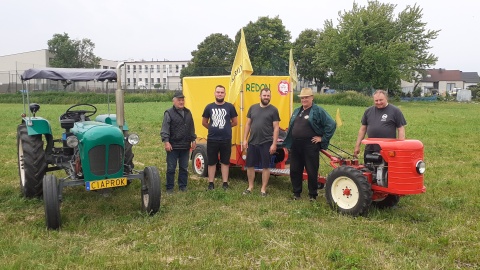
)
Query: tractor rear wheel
[
  {"x": 51, "y": 200},
  {"x": 151, "y": 190},
  {"x": 387, "y": 202},
  {"x": 32, "y": 164},
  {"x": 200, "y": 161},
  {"x": 348, "y": 191}
]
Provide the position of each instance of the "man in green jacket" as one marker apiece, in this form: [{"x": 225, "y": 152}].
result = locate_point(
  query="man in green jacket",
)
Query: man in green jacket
[{"x": 310, "y": 130}]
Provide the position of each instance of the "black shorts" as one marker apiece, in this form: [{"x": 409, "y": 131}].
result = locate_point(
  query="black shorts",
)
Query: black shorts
[
  {"x": 259, "y": 155},
  {"x": 216, "y": 147}
]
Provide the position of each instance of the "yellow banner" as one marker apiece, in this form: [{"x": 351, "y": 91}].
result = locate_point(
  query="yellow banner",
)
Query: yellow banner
[
  {"x": 241, "y": 70},
  {"x": 292, "y": 70}
]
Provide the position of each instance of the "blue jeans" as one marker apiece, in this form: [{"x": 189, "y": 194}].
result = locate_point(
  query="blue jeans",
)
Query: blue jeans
[{"x": 182, "y": 157}]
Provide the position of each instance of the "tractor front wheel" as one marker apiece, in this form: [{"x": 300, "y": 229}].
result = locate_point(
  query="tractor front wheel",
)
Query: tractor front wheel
[
  {"x": 32, "y": 164},
  {"x": 348, "y": 191},
  {"x": 200, "y": 161},
  {"x": 51, "y": 200},
  {"x": 151, "y": 190},
  {"x": 388, "y": 202}
]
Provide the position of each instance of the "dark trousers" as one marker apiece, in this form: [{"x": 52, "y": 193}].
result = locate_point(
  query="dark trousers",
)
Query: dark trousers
[
  {"x": 304, "y": 154},
  {"x": 182, "y": 157}
]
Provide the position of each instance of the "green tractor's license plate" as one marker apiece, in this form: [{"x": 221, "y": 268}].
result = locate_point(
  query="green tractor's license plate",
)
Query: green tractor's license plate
[{"x": 107, "y": 183}]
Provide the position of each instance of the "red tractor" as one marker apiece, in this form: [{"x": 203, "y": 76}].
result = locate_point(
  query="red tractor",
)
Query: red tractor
[{"x": 397, "y": 170}]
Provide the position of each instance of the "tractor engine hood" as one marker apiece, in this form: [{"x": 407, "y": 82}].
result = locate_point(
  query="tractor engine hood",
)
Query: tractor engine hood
[{"x": 101, "y": 149}]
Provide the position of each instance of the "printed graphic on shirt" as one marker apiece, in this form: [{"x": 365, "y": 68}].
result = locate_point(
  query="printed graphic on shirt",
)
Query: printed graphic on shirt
[
  {"x": 384, "y": 117},
  {"x": 218, "y": 118}
]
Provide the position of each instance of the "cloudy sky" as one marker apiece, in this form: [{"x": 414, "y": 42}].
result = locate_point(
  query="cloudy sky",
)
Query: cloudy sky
[{"x": 158, "y": 30}]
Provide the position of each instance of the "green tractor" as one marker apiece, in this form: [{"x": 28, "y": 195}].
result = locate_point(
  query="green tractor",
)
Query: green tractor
[{"x": 94, "y": 153}]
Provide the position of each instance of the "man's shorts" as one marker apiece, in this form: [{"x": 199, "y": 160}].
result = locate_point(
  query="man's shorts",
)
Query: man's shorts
[
  {"x": 222, "y": 147},
  {"x": 258, "y": 155}
]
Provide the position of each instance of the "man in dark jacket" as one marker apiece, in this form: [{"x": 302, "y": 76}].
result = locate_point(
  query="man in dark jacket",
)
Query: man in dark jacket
[{"x": 178, "y": 135}]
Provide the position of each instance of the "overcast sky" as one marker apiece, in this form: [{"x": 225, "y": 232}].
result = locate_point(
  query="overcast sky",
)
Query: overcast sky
[{"x": 158, "y": 30}]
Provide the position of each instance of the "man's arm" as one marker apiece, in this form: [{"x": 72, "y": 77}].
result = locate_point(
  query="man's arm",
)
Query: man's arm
[
  {"x": 245, "y": 134},
  {"x": 234, "y": 121},
  {"x": 205, "y": 122},
  {"x": 361, "y": 134},
  {"x": 401, "y": 133},
  {"x": 276, "y": 129}
]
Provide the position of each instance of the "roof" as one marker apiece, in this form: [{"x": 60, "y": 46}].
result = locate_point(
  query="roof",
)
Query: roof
[
  {"x": 70, "y": 74},
  {"x": 436, "y": 75},
  {"x": 470, "y": 77}
]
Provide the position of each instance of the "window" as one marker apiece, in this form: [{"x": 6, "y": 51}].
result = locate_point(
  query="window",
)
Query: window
[
  {"x": 152, "y": 80},
  {"x": 134, "y": 81},
  {"x": 450, "y": 86},
  {"x": 164, "y": 68},
  {"x": 134, "y": 68},
  {"x": 128, "y": 80},
  {"x": 139, "y": 79},
  {"x": 158, "y": 68},
  {"x": 176, "y": 68},
  {"x": 158, "y": 80},
  {"x": 169, "y": 68},
  {"x": 164, "y": 80}
]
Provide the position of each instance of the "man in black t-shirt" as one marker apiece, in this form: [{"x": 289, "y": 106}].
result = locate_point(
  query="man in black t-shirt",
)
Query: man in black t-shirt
[
  {"x": 219, "y": 117},
  {"x": 263, "y": 126},
  {"x": 383, "y": 120}
]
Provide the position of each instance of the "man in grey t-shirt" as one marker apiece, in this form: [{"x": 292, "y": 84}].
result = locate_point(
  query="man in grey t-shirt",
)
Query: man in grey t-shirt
[
  {"x": 263, "y": 126},
  {"x": 382, "y": 120}
]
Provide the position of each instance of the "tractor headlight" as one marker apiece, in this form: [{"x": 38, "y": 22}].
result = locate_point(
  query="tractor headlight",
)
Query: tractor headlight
[
  {"x": 133, "y": 139},
  {"x": 72, "y": 141},
  {"x": 420, "y": 167}
]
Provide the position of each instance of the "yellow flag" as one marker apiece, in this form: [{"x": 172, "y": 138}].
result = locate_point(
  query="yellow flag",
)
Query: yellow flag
[
  {"x": 241, "y": 70},
  {"x": 292, "y": 70},
  {"x": 338, "y": 119}
]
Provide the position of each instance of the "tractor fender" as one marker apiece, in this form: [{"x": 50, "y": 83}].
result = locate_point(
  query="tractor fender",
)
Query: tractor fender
[{"x": 37, "y": 125}]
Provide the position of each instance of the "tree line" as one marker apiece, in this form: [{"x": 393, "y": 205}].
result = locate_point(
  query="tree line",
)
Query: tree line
[{"x": 368, "y": 47}]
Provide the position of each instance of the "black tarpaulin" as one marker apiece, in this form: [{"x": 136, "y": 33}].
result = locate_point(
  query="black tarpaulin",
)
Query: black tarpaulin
[{"x": 70, "y": 74}]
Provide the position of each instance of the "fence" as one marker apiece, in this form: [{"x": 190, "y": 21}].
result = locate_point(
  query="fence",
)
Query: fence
[{"x": 11, "y": 82}]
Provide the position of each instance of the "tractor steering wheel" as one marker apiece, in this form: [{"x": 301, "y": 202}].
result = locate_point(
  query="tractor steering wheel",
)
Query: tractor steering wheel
[{"x": 76, "y": 113}]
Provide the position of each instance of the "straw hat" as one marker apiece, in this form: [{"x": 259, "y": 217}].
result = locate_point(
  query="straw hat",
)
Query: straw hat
[{"x": 306, "y": 92}]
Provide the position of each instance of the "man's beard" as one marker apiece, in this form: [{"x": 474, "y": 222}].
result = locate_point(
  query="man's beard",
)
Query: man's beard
[
  {"x": 219, "y": 100},
  {"x": 265, "y": 102}
]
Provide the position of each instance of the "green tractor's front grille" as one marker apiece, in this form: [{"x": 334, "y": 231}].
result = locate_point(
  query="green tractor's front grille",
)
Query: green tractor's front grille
[{"x": 99, "y": 155}]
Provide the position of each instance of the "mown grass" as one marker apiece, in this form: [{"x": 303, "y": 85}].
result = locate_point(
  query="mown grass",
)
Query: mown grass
[{"x": 439, "y": 229}]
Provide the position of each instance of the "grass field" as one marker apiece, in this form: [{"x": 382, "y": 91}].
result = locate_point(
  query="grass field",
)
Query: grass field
[{"x": 439, "y": 229}]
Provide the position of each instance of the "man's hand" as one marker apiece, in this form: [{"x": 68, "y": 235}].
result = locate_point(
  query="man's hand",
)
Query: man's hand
[
  {"x": 273, "y": 148},
  {"x": 168, "y": 146}
]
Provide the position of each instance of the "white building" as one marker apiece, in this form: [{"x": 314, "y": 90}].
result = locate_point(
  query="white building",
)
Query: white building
[
  {"x": 153, "y": 74},
  {"x": 135, "y": 74}
]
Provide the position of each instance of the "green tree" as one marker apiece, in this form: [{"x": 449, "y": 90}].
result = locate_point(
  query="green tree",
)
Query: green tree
[
  {"x": 268, "y": 44},
  {"x": 372, "y": 49},
  {"x": 70, "y": 53},
  {"x": 304, "y": 52},
  {"x": 214, "y": 56}
]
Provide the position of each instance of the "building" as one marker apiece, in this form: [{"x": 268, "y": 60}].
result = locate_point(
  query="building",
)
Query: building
[
  {"x": 152, "y": 75},
  {"x": 442, "y": 81}
]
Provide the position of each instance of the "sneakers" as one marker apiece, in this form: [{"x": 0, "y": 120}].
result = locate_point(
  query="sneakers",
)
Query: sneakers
[
  {"x": 313, "y": 198},
  {"x": 211, "y": 186},
  {"x": 225, "y": 185},
  {"x": 247, "y": 192},
  {"x": 263, "y": 194},
  {"x": 296, "y": 197},
  {"x": 183, "y": 189},
  {"x": 170, "y": 191}
]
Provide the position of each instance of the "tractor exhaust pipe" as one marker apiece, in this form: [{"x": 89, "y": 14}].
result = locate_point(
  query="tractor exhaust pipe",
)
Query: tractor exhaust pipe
[{"x": 119, "y": 98}]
